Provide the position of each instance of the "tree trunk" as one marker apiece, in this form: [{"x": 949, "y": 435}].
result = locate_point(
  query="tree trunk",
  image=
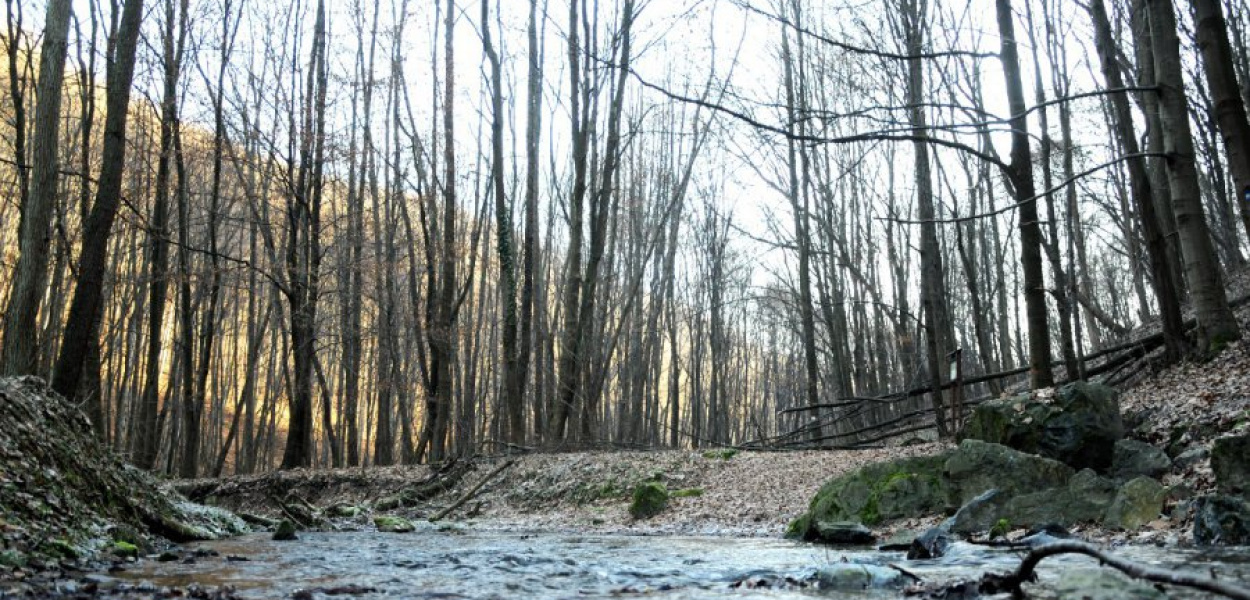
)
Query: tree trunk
[
  {"x": 1020, "y": 173},
  {"x": 80, "y": 327},
  {"x": 1230, "y": 112},
  {"x": 1216, "y": 323},
  {"x": 20, "y": 345}
]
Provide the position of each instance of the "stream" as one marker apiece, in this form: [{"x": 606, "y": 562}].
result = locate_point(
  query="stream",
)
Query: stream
[{"x": 473, "y": 563}]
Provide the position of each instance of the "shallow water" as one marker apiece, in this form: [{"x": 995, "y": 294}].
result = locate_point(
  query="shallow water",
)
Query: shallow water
[{"x": 485, "y": 564}]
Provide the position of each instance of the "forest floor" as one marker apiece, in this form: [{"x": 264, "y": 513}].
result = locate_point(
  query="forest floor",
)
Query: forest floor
[
  {"x": 730, "y": 493},
  {"x": 1180, "y": 408}
]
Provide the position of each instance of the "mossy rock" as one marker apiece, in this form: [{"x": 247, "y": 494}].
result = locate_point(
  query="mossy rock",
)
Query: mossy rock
[
  {"x": 12, "y": 559},
  {"x": 285, "y": 531},
  {"x": 1230, "y": 460},
  {"x": 908, "y": 487},
  {"x": 1139, "y": 502},
  {"x": 650, "y": 499},
  {"x": 1079, "y": 425},
  {"x": 344, "y": 511},
  {"x": 688, "y": 493},
  {"x": 976, "y": 466},
  {"x": 722, "y": 453},
  {"x": 393, "y": 524},
  {"x": 125, "y": 549},
  {"x": 1000, "y": 529}
]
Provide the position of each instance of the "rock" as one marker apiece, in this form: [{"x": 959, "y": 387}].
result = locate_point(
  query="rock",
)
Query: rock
[
  {"x": 931, "y": 544},
  {"x": 1191, "y": 457},
  {"x": 285, "y": 532},
  {"x": 650, "y": 499},
  {"x": 1133, "y": 458},
  {"x": 847, "y": 533},
  {"x": 980, "y": 513},
  {"x": 393, "y": 524},
  {"x": 907, "y": 487},
  {"x": 977, "y": 466},
  {"x": 1230, "y": 460},
  {"x": 1085, "y": 499},
  {"x": 1138, "y": 502},
  {"x": 125, "y": 550},
  {"x": 1101, "y": 584},
  {"x": 1078, "y": 426},
  {"x": 851, "y": 576},
  {"x": 344, "y": 511},
  {"x": 1221, "y": 520}
]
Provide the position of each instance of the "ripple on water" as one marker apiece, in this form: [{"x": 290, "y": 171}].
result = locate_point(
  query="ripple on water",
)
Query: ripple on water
[{"x": 482, "y": 564}]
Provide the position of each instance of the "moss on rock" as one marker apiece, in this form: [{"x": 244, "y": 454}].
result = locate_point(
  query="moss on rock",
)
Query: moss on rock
[
  {"x": 650, "y": 499},
  {"x": 393, "y": 524},
  {"x": 874, "y": 493}
]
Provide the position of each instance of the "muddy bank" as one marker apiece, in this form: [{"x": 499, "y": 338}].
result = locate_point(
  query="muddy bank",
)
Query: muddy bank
[{"x": 66, "y": 499}]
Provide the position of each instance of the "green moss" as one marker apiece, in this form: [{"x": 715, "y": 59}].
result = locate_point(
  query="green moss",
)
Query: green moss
[
  {"x": 12, "y": 559},
  {"x": 798, "y": 528},
  {"x": 722, "y": 454},
  {"x": 58, "y": 548},
  {"x": 650, "y": 499},
  {"x": 688, "y": 493},
  {"x": 393, "y": 524},
  {"x": 1000, "y": 529},
  {"x": 586, "y": 493},
  {"x": 125, "y": 549},
  {"x": 871, "y": 513},
  {"x": 285, "y": 531}
]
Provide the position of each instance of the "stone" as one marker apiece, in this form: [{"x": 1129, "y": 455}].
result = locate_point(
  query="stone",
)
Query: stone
[
  {"x": 1230, "y": 460},
  {"x": 1191, "y": 457},
  {"x": 285, "y": 531},
  {"x": 931, "y": 544},
  {"x": 393, "y": 524},
  {"x": 125, "y": 549},
  {"x": 1079, "y": 425},
  {"x": 980, "y": 513},
  {"x": 907, "y": 487},
  {"x": 650, "y": 499},
  {"x": 976, "y": 466},
  {"x": 1138, "y": 502},
  {"x": 847, "y": 533},
  {"x": 1133, "y": 458},
  {"x": 852, "y": 576},
  {"x": 1221, "y": 520}
]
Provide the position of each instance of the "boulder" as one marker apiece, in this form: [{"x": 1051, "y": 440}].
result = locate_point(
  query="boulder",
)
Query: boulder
[
  {"x": 1085, "y": 499},
  {"x": 1221, "y": 519},
  {"x": 931, "y": 544},
  {"x": 980, "y": 513},
  {"x": 393, "y": 524},
  {"x": 1230, "y": 460},
  {"x": 1132, "y": 458},
  {"x": 285, "y": 532},
  {"x": 907, "y": 487},
  {"x": 847, "y": 533},
  {"x": 1078, "y": 424},
  {"x": 977, "y": 466},
  {"x": 1140, "y": 501},
  {"x": 853, "y": 577},
  {"x": 650, "y": 499}
]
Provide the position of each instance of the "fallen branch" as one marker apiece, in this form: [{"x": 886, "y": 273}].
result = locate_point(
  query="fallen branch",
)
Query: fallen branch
[
  {"x": 472, "y": 491},
  {"x": 1135, "y": 570}
]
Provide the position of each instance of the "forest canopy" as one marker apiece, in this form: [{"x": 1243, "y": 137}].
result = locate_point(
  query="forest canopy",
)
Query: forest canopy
[{"x": 253, "y": 235}]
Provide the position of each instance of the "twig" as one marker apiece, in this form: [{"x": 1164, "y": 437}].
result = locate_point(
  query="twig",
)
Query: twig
[
  {"x": 473, "y": 491},
  {"x": 1138, "y": 571},
  {"x": 905, "y": 572}
]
